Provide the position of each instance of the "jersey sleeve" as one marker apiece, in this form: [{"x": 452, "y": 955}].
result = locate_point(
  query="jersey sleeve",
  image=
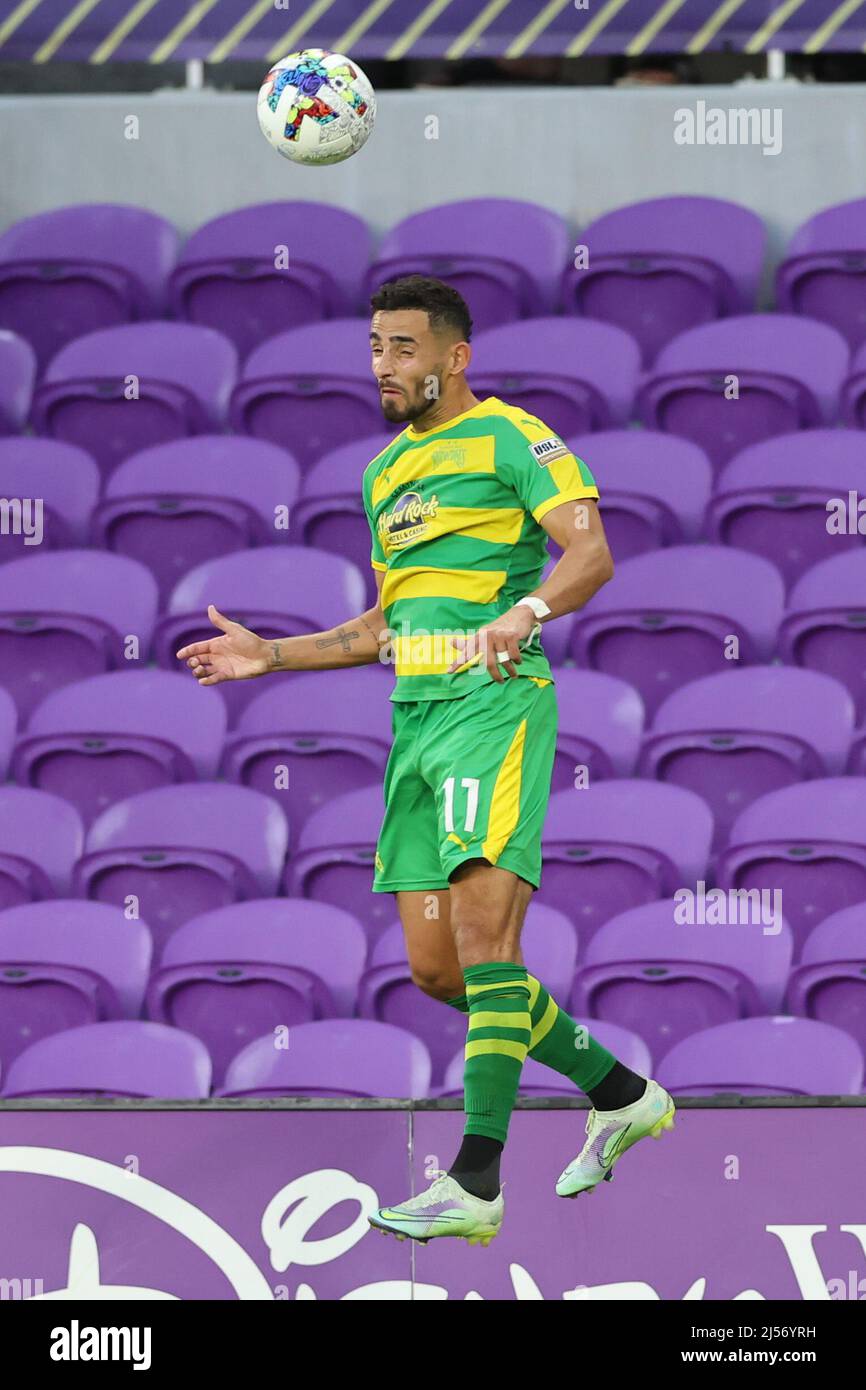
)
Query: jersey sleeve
[
  {"x": 377, "y": 554},
  {"x": 541, "y": 468}
]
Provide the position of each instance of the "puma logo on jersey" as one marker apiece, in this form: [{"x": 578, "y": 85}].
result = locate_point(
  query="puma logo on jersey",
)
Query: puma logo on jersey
[{"x": 546, "y": 450}]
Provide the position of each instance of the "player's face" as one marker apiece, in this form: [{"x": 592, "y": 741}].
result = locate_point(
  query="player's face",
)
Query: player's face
[{"x": 408, "y": 362}]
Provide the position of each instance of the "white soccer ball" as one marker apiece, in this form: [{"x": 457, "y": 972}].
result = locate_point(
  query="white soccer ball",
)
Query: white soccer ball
[{"x": 316, "y": 107}]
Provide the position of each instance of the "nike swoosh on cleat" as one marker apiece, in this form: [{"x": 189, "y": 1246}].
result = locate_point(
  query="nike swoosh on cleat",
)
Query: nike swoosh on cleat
[
  {"x": 415, "y": 1216},
  {"x": 617, "y": 1144}
]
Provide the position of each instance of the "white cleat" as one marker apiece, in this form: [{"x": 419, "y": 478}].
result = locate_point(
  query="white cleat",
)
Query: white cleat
[
  {"x": 610, "y": 1133},
  {"x": 445, "y": 1209}
]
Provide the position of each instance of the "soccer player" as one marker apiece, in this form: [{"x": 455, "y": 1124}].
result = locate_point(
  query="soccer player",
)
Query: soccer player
[{"x": 459, "y": 507}]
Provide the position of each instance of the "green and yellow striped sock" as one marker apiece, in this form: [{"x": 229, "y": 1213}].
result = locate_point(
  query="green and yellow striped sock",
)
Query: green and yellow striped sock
[
  {"x": 497, "y": 997},
  {"x": 556, "y": 1040}
]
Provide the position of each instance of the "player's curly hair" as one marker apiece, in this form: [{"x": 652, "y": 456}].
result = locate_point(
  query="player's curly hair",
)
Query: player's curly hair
[{"x": 444, "y": 305}]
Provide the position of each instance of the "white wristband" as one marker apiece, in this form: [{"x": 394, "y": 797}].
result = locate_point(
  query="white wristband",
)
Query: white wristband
[
  {"x": 541, "y": 610},
  {"x": 538, "y": 606}
]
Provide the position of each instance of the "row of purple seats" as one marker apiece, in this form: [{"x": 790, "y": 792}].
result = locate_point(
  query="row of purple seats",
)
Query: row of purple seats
[
  {"x": 649, "y": 975},
  {"x": 724, "y": 385},
  {"x": 672, "y": 615},
  {"x": 178, "y": 504},
  {"x": 118, "y": 390},
  {"x": 355, "y": 1058},
  {"x": 176, "y": 851},
  {"x": 66, "y": 614},
  {"x": 772, "y": 1055},
  {"x": 654, "y": 267},
  {"x": 306, "y": 738},
  {"x": 79, "y": 268},
  {"x": 771, "y": 498},
  {"x": 244, "y": 970}
]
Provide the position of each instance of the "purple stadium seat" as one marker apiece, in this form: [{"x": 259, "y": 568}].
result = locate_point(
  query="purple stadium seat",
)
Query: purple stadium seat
[
  {"x": 648, "y": 971},
  {"x": 184, "y": 376},
  {"x": 735, "y": 736},
  {"x": 771, "y": 1056},
  {"x": 600, "y": 727},
  {"x": 333, "y": 858},
  {"x": 618, "y": 844},
  {"x": 669, "y": 616},
  {"x": 68, "y": 614},
  {"x": 75, "y": 269},
  {"x": 183, "y": 850},
  {"x": 387, "y": 992},
  {"x": 505, "y": 256},
  {"x": 350, "y": 1057},
  {"x": 538, "y": 1080},
  {"x": 312, "y": 736},
  {"x": 772, "y": 498},
  {"x": 575, "y": 374},
  {"x": 277, "y": 590},
  {"x": 8, "y": 725},
  {"x": 66, "y": 963},
  {"x": 822, "y": 274},
  {"x": 664, "y": 265},
  {"x": 112, "y": 736},
  {"x": 237, "y": 973},
  {"x": 115, "y": 1059},
  {"x": 41, "y": 837},
  {"x": 808, "y": 842},
  {"x": 309, "y": 389},
  {"x": 179, "y": 504},
  {"x": 825, "y": 623},
  {"x": 17, "y": 375},
  {"x": 852, "y": 410},
  {"x": 226, "y": 278},
  {"x": 789, "y": 373},
  {"x": 654, "y": 488},
  {"x": 330, "y": 511},
  {"x": 830, "y": 982},
  {"x": 66, "y": 482}
]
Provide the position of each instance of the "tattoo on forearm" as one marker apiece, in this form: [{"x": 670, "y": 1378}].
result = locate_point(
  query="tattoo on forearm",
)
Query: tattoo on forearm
[
  {"x": 372, "y": 632},
  {"x": 276, "y": 654},
  {"x": 342, "y": 637}
]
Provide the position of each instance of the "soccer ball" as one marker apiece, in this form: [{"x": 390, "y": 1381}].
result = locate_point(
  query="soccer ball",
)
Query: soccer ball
[{"x": 316, "y": 107}]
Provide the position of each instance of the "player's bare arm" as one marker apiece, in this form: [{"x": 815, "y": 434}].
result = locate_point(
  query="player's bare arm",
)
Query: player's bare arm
[
  {"x": 584, "y": 566},
  {"x": 240, "y": 654}
]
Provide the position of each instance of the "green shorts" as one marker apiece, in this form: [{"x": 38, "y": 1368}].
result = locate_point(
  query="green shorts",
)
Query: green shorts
[{"x": 467, "y": 779}]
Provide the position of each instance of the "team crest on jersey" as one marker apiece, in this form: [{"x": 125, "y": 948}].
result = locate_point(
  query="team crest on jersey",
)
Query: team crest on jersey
[
  {"x": 407, "y": 521},
  {"x": 546, "y": 450},
  {"x": 454, "y": 454}
]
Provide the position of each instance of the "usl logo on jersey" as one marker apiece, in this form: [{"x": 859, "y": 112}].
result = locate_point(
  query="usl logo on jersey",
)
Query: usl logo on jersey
[
  {"x": 546, "y": 450},
  {"x": 407, "y": 521}
]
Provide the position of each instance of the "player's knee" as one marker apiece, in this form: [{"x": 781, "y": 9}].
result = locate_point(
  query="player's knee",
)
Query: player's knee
[{"x": 437, "y": 983}]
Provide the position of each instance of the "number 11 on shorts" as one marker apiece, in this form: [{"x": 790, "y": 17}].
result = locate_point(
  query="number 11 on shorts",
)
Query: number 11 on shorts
[{"x": 471, "y": 785}]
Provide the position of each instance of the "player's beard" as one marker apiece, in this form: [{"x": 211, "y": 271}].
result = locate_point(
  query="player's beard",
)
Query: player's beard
[{"x": 405, "y": 409}]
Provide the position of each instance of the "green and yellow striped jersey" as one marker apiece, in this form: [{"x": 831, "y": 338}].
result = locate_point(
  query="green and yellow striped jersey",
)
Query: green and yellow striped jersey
[{"x": 455, "y": 516}]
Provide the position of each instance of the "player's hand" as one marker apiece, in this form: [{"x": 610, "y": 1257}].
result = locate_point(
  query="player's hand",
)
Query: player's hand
[
  {"x": 498, "y": 643},
  {"x": 236, "y": 656}
]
